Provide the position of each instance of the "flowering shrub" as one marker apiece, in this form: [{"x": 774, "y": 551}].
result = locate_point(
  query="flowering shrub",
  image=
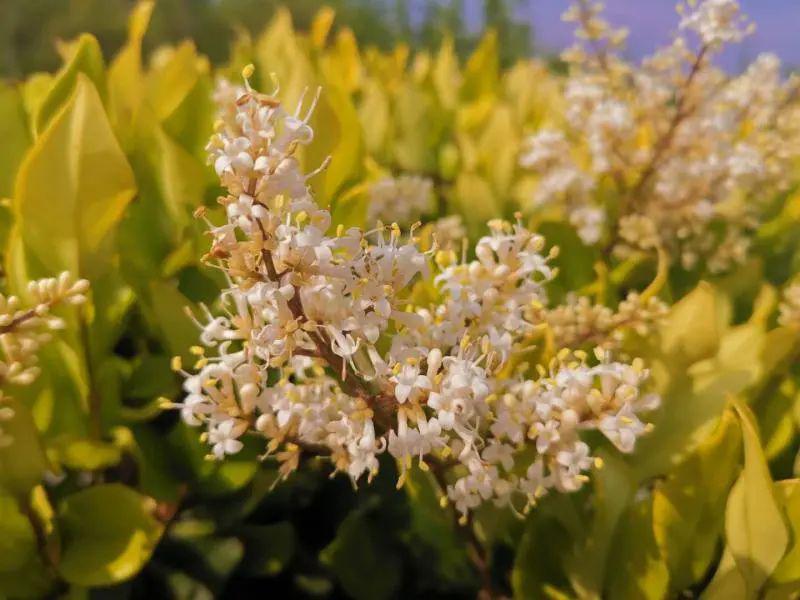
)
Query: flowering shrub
[
  {"x": 481, "y": 331},
  {"x": 316, "y": 308},
  {"x": 693, "y": 156}
]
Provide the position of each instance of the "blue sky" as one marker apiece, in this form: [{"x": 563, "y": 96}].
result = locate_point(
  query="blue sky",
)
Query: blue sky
[{"x": 651, "y": 21}]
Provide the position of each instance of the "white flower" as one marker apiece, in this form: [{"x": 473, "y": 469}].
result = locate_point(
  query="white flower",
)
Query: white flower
[
  {"x": 407, "y": 380},
  {"x": 233, "y": 157},
  {"x": 589, "y": 221},
  {"x": 403, "y": 200},
  {"x": 223, "y": 438},
  {"x": 623, "y": 428},
  {"x": 572, "y": 462},
  {"x": 716, "y": 21}
]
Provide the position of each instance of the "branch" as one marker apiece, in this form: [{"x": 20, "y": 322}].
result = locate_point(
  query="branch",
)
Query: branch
[{"x": 664, "y": 143}]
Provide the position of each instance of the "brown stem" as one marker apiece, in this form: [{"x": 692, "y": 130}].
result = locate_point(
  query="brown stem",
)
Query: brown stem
[
  {"x": 664, "y": 143},
  {"x": 49, "y": 559},
  {"x": 381, "y": 404},
  {"x": 26, "y": 316},
  {"x": 17, "y": 321}
]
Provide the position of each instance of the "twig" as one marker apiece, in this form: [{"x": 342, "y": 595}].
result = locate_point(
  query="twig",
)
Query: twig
[
  {"x": 40, "y": 535},
  {"x": 665, "y": 141}
]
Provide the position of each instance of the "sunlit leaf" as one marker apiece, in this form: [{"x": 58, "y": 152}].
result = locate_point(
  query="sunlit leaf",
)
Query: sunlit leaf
[
  {"x": 688, "y": 507},
  {"x": 72, "y": 188},
  {"x": 22, "y": 462},
  {"x": 788, "y": 570},
  {"x": 86, "y": 61},
  {"x": 108, "y": 533},
  {"x": 754, "y": 526},
  {"x": 15, "y": 135}
]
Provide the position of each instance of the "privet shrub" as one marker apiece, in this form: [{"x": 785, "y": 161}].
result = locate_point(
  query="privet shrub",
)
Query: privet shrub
[{"x": 404, "y": 327}]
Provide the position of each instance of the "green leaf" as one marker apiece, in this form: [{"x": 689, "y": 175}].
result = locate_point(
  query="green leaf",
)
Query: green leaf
[
  {"x": 695, "y": 324},
  {"x": 476, "y": 202},
  {"x": 84, "y": 454},
  {"x": 373, "y": 113},
  {"x": 537, "y": 564},
  {"x": 446, "y": 73},
  {"x": 182, "y": 180},
  {"x": 481, "y": 73},
  {"x": 166, "y": 307},
  {"x": 210, "y": 559},
  {"x": 754, "y": 527},
  {"x": 72, "y": 188},
  {"x": 338, "y": 136},
  {"x": 22, "y": 573},
  {"x": 172, "y": 77},
  {"x": 728, "y": 582},
  {"x": 268, "y": 548},
  {"x": 588, "y": 565},
  {"x": 22, "y": 462},
  {"x": 498, "y": 149},
  {"x": 638, "y": 568},
  {"x": 158, "y": 475},
  {"x": 108, "y": 532},
  {"x": 737, "y": 363},
  {"x": 575, "y": 260},
  {"x": 417, "y": 127},
  {"x": 776, "y": 417},
  {"x": 432, "y": 533},
  {"x": 688, "y": 507},
  {"x": 365, "y": 564},
  {"x": 126, "y": 86},
  {"x": 15, "y": 136},
  {"x": 787, "y": 573},
  {"x": 86, "y": 61},
  {"x": 17, "y": 542}
]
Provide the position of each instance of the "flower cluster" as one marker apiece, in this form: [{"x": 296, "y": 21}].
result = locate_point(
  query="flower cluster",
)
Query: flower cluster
[
  {"x": 24, "y": 328},
  {"x": 550, "y": 413},
  {"x": 671, "y": 153},
  {"x": 579, "y": 323},
  {"x": 403, "y": 199},
  {"x": 324, "y": 347}
]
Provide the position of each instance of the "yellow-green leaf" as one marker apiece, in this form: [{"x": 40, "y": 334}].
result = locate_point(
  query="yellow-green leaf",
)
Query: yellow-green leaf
[
  {"x": 588, "y": 566},
  {"x": 728, "y": 582},
  {"x": 321, "y": 26},
  {"x": 637, "y": 567},
  {"x": 173, "y": 75},
  {"x": 788, "y": 570},
  {"x": 446, "y": 74},
  {"x": 22, "y": 573},
  {"x": 754, "y": 526},
  {"x": 688, "y": 507},
  {"x": 126, "y": 87},
  {"x": 86, "y": 61},
  {"x": 694, "y": 325},
  {"x": 72, "y": 188},
  {"x": 109, "y": 533},
  {"x": 22, "y": 462},
  {"x": 15, "y": 136},
  {"x": 481, "y": 74}
]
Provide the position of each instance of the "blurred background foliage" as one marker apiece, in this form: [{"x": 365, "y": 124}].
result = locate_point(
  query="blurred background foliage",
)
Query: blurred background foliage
[
  {"x": 28, "y": 28},
  {"x": 131, "y": 509}
]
